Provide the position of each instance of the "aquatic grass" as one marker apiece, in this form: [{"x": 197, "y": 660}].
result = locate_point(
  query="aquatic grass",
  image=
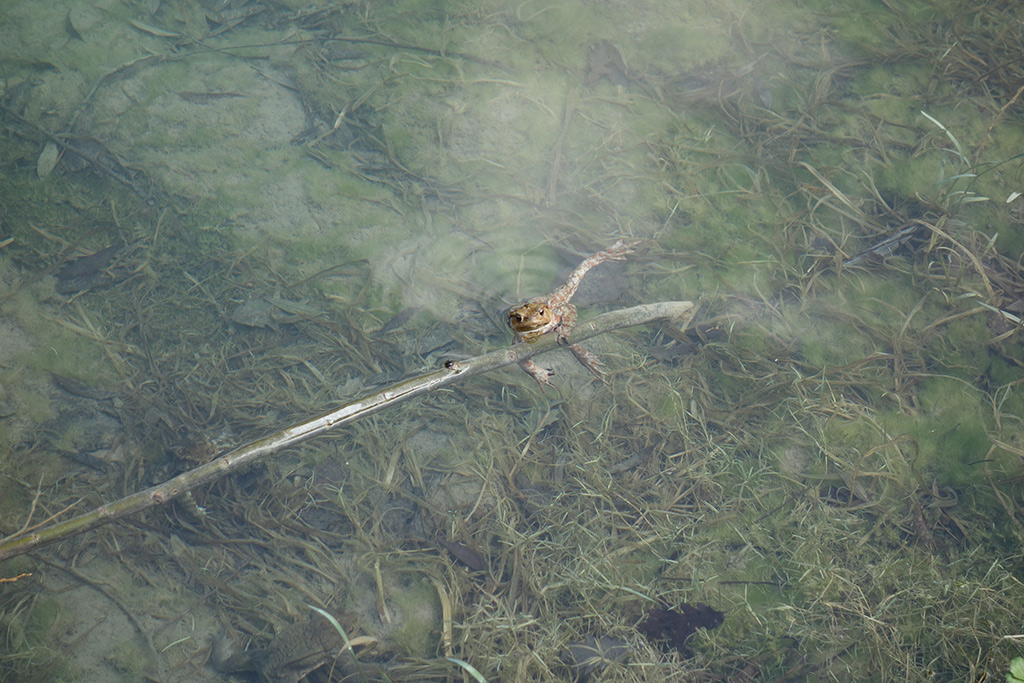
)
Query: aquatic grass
[
  {"x": 685, "y": 520},
  {"x": 952, "y": 138},
  {"x": 802, "y": 469}
]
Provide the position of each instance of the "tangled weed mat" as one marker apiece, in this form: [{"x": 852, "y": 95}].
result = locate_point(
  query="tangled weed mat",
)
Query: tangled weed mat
[{"x": 220, "y": 219}]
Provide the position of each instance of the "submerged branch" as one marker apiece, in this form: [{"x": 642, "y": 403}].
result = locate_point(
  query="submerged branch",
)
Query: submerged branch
[{"x": 453, "y": 371}]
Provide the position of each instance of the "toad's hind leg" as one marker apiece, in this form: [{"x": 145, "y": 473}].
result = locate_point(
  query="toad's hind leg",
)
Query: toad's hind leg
[
  {"x": 589, "y": 360},
  {"x": 616, "y": 252}
]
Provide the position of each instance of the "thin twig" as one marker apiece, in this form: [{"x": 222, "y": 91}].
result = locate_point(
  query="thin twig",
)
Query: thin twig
[{"x": 453, "y": 371}]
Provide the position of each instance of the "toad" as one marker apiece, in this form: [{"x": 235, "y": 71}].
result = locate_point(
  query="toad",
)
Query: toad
[
  {"x": 553, "y": 313},
  {"x": 295, "y": 651}
]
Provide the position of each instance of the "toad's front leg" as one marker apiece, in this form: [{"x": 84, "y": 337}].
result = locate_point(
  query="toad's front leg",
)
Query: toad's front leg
[
  {"x": 589, "y": 361},
  {"x": 542, "y": 375},
  {"x": 565, "y": 325}
]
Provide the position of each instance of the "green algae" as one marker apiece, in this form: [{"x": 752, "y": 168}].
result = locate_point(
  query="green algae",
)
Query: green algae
[{"x": 800, "y": 470}]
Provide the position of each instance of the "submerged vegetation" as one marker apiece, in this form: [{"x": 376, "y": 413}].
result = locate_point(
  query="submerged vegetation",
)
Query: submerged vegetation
[{"x": 257, "y": 213}]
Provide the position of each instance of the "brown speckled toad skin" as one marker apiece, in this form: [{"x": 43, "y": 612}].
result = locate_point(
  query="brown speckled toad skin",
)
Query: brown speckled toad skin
[
  {"x": 540, "y": 315},
  {"x": 295, "y": 651}
]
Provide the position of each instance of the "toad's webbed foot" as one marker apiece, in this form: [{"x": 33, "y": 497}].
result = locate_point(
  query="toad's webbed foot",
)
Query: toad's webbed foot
[{"x": 540, "y": 374}]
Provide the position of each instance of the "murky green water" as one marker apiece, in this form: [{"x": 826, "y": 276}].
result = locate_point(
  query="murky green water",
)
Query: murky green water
[{"x": 275, "y": 209}]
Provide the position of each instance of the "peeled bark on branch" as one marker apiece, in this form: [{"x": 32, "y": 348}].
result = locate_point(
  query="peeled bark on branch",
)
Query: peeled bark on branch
[{"x": 453, "y": 371}]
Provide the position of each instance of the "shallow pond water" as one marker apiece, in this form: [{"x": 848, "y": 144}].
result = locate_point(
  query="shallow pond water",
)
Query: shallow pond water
[{"x": 277, "y": 208}]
